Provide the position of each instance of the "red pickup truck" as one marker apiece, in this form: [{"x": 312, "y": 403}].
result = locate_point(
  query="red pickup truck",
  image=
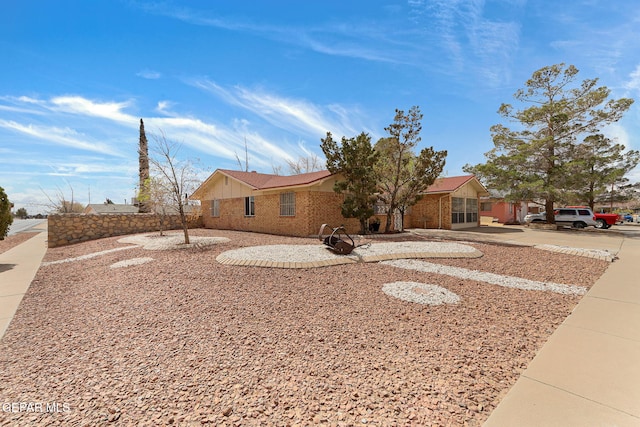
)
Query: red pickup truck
[
  {"x": 606, "y": 220},
  {"x": 603, "y": 220}
]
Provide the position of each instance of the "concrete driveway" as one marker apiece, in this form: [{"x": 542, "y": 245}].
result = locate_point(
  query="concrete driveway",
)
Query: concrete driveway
[{"x": 588, "y": 238}]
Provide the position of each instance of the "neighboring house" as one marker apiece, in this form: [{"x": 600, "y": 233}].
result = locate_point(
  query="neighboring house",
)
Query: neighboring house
[
  {"x": 496, "y": 207},
  {"x": 295, "y": 205},
  {"x": 188, "y": 209},
  {"x": 109, "y": 208},
  {"x": 298, "y": 205}
]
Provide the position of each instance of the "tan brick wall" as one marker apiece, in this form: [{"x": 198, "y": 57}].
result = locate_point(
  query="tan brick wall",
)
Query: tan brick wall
[
  {"x": 66, "y": 229},
  {"x": 313, "y": 208},
  {"x": 427, "y": 213}
]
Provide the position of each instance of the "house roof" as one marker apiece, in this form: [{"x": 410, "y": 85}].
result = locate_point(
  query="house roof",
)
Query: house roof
[
  {"x": 265, "y": 181},
  {"x": 452, "y": 183},
  {"x": 104, "y": 208},
  {"x": 173, "y": 210}
]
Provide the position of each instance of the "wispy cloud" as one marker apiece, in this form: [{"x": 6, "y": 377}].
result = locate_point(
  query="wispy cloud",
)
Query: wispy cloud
[
  {"x": 113, "y": 125},
  {"x": 82, "y": 106},
  {"x": 471, "y": 41},
  {"x": 149, "y": 74},
  {"x": 379, "y": 42},
  {"x": 598, "y": 35},
  {"x": 292, "y": 115},
  {"x": 62, "y": 136},
  {"x": 213, "y": 139},
  {"x": 634, "y": 80}
]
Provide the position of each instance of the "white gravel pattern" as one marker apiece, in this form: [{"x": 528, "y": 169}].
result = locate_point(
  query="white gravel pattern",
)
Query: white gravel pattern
[
  {"x": 492, "y": 278},
  {"x": 130, "y": 262},
  {"x": 387, "y": 248},
  {"x": 283, "y": 253},
  {"x": 87, "y": 256},
  {"x": 593, "y": 253},
  {"x": 156, "y": 242},
  {"x": 311, "y": 253},
  {"x": 421, "y": 293}
]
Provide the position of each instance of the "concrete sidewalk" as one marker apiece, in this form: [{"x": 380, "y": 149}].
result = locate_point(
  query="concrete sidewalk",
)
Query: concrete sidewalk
[
  {"x": 18, "y": 266},
  {"x": 588, "y": 372}
]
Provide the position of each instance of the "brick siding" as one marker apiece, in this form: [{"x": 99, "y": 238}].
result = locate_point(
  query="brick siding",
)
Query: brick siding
[{"x": 312, "y": 209}]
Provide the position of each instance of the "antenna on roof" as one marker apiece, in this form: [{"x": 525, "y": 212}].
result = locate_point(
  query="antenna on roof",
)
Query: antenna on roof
[{"x": 246, "y": 157}]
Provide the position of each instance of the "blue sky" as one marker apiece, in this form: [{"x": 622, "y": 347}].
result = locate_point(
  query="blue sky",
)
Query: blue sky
[{"x": 77, "y": 76}]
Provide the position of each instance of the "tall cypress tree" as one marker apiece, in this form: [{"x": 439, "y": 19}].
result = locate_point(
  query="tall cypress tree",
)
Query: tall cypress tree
[{"x": 143, "y": 153}]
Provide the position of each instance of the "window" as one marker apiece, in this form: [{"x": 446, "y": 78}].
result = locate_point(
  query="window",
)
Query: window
[
  {"x": 249, "y": 206},
  {"x": 215, "y": 208},
  {"x": 288, "y": 204},
  {"x": 565, "y": 212},
  {"x": 485, "y": 206},
  {"x": 472, "y": 210},
  {"x": 464, "y": 210},
  {"x": 457, "y": 210},
  {"x": 380, "y": 208}
]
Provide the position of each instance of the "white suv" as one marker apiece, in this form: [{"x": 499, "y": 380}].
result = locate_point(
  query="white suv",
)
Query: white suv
[{"x": 575, "y": 217}]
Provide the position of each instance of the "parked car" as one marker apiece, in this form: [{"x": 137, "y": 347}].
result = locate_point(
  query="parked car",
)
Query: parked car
[
  {"x": 575, "y": 217},
  {"x": 603, "y": 220},
  {"x": 628, "y": 217}
]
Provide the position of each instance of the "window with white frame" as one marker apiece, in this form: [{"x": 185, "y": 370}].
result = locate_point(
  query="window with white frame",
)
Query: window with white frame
[
  {"x": 457, "y": 210},
  {"x": 215, "y": 208},
  {"x": 249, "y": 206},
  {"x": 472, "y": 210},
  {"x": 288, "y": 204}
]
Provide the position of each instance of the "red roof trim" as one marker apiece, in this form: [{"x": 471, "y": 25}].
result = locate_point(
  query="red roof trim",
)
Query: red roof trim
[
  {"x": 450, "y": 184},
  {"x": 264, "y": 181}
]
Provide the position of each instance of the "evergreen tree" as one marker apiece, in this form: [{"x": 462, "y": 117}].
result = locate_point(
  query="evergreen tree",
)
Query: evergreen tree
[
  {"x": 598, "y": 165},
  {"x": 5, "y": 214},
  {"x": 534, "y": 160},
  {"x": 22, "y": 213},
  {"x": 402, "y": 176},
  {"x": 354, "y": 159}
]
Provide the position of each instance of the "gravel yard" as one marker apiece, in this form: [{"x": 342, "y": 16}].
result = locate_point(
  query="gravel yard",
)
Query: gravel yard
[{"x": 172, "y": 337}]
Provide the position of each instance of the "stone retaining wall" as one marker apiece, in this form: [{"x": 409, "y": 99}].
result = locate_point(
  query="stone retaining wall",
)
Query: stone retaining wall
[{"x": 66, "y": 229}]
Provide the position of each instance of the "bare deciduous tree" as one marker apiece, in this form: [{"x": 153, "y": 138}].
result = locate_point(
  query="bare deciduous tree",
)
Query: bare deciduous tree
[
  {"x": 157, "y": 198},
  {"x": 178, "y": 177},
  {"x": 306, "y": 164},
  {"x": 311, "y": 163},
  {"x": 61, "y": 204}
]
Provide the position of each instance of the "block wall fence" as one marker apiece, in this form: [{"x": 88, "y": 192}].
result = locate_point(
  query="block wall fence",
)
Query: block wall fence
[{"x": 67, "y": 229}]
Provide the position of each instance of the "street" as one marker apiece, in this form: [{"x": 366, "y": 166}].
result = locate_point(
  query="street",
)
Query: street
[{"x": 20, "y": 225}]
